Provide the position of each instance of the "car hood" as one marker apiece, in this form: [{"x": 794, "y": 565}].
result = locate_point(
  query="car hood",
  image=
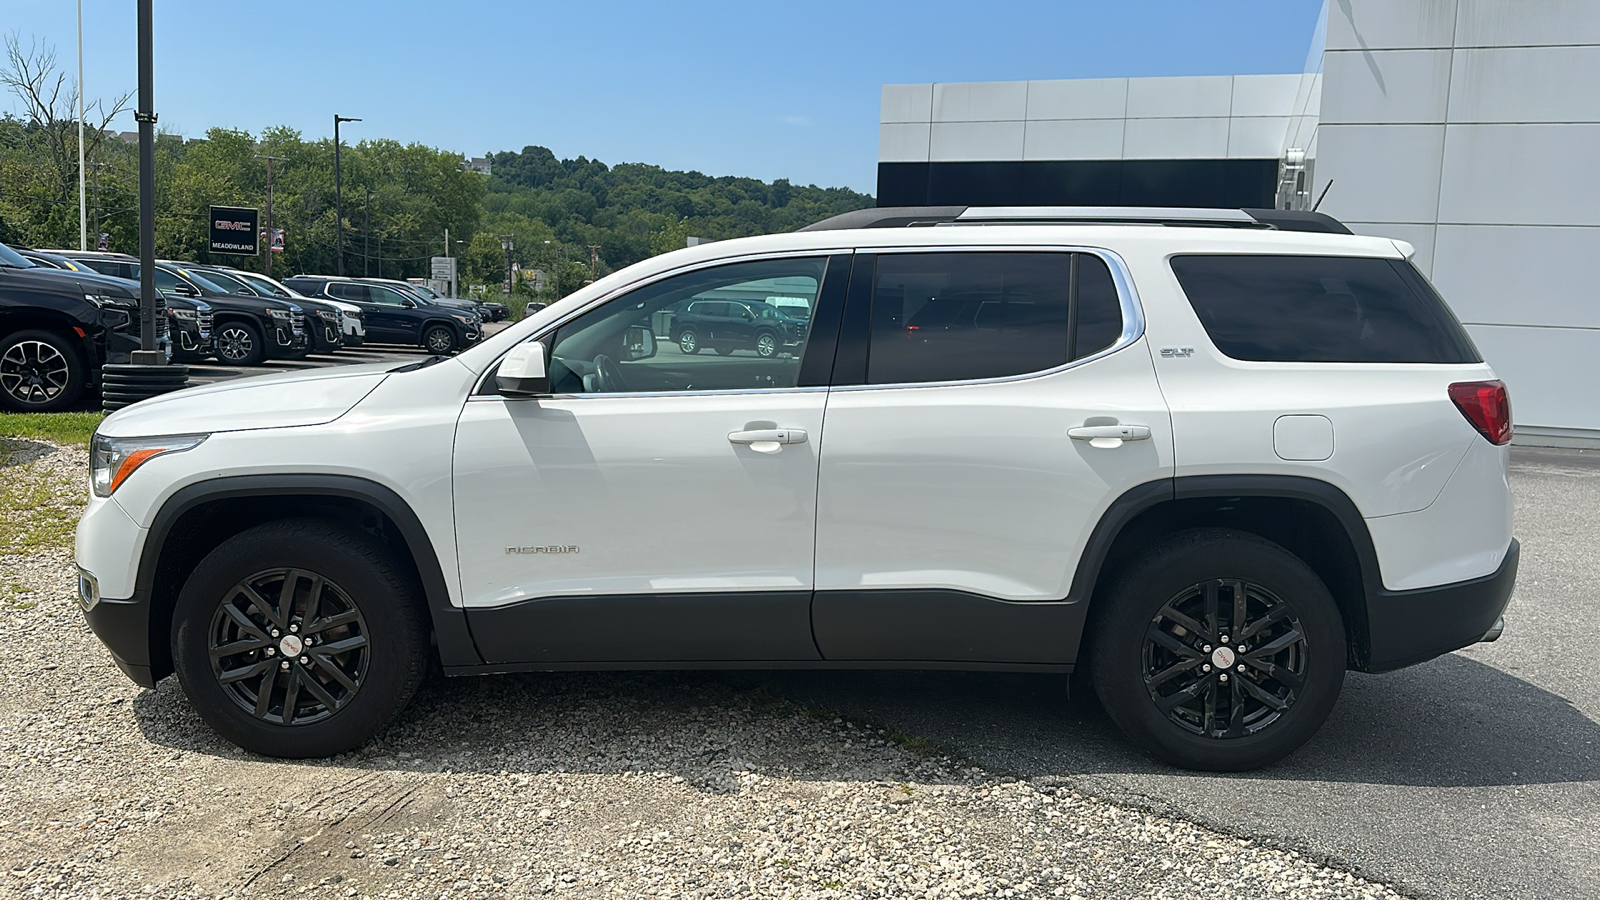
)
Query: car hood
[
  {"x": 86, "y": 282},
  {"x": 266, "y": 401}
]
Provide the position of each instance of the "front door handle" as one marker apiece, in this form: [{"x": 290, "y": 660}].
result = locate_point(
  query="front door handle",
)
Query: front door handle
[
  {"x": 1120, "y": 432},
  {"x": 768, "y": 436}
]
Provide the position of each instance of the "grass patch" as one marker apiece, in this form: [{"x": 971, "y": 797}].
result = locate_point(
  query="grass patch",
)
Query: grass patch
[
  {"x": 69, "y": 428},
  {"x": 41, "y": 504}
]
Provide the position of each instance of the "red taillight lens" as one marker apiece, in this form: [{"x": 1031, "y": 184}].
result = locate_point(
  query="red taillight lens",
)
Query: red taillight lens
[{"x": 1487, "y": 405}]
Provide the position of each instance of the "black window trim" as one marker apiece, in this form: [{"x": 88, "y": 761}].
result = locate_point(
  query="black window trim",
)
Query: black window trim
[{"x": 850, "y": 370}]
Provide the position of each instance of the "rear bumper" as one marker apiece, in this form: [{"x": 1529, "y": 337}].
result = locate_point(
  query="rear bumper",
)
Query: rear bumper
[{"x": 1409, "y": 627}]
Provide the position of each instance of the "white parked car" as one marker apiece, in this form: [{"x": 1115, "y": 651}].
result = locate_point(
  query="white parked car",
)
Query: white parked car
[
  {"x": 1217, "y": 457},
  {"x": 351, "y": 318}
]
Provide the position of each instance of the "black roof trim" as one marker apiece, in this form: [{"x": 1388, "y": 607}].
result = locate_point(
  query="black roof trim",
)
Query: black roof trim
[
  {"x": 912, "y": 216},
  {"x": 888, "y": 217},
  {"x": 1298, "y": 220}
]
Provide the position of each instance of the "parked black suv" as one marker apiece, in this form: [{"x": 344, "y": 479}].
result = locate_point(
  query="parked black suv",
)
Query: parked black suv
[
  {"x": 248, "y": 330},
  {"x": 56, "y": 329},
  {"x": 188, "y": 320},
  {"x": 393, "y": 316},
  {"x": 729, "y": 325},
  {"x": 324, "y": 331}
]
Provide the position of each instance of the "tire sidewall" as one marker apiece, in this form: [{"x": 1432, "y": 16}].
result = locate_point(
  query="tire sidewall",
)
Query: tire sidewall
[
  {"x": 1116, "y": 653},
  {"x": 367, "y": 574},
  {"x": 427, "y": 339},
  {"x": 258, "y": 350}
]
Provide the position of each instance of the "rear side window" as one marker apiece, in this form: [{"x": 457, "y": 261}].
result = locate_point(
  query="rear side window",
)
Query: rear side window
[
  {"x": 1321, "y": 309},
  {"x": 965, "y": 316}
]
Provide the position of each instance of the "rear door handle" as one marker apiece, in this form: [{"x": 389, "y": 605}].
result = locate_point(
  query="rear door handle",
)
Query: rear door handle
[
  {"x": 1119, "y": 432},
  {"x": 768, "y": 436}
]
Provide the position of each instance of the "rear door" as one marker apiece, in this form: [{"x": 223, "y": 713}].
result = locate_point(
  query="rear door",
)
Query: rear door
[{"x": 957, "y": 489}]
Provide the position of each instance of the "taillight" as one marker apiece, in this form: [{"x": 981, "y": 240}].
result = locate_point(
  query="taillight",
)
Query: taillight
[{"x": 1487, "y": 405}]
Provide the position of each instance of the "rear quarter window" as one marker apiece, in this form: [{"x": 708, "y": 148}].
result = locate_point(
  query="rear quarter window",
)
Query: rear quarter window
[{"x": 1282, "y": 308}]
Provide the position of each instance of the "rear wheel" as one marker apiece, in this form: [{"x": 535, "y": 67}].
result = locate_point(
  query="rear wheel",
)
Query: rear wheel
[
  {"x": 239, "y": 343},
  {"x": 40, "y": 372},
  {"x": 1218, "y": 650},
  {"x": 299, "y": 638}
]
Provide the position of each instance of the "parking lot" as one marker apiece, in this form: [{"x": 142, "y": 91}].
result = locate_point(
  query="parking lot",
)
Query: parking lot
[
  {"x": 1476, "y": 775},
  {"x": 211, "y": 372}
]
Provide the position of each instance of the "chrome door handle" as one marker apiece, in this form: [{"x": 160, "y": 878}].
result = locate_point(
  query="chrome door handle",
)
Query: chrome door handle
[
  {"x": 1117, "y": 432},
  {"x": 768, "y": 436}
]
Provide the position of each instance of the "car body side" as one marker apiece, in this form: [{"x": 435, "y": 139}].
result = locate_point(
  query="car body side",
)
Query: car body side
[{"x": 1366, "y": 518}]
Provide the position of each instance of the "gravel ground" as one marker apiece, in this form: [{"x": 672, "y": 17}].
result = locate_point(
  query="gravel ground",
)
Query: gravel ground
[{"x": 681, "y": 785}]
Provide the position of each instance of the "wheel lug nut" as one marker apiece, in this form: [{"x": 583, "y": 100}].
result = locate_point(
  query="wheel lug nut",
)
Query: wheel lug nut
[
  {"x": 1241, "y": 668},
  {"x": 270, "y": 651},
  {"x": 1204, "y": 649},
  {"x": 1224, "y": 639},
  {"x": 1206, "y": 667},
  {"x": 296, "y": 627},
  {"x": 1223, "y": 677},
  {"x": 284, "y": 664},
  {"x": 1241, "y": 648},
  {"x": 276, "y": 633},
  {"x": 304, "y": 660}
]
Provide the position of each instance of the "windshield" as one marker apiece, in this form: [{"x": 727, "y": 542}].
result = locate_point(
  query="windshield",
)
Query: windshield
[
  {"x": 15, "y": 260},
  {"x": 204, "y": 283},
  {"x": 229, "y": 283},
  {"x": 262, "y": 284}
]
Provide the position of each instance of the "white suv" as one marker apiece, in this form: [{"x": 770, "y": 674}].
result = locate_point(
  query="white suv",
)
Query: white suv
[{"x": 1216, "y": 457}]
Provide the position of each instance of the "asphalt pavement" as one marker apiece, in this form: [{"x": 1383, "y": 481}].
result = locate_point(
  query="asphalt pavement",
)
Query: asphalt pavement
[{"x": 1475, "y": 775}]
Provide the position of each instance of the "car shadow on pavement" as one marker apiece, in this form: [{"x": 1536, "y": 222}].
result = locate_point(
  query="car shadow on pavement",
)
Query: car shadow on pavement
[
  {"x": 1453, "y": 722},
  {"x": 21, "y": 451}
]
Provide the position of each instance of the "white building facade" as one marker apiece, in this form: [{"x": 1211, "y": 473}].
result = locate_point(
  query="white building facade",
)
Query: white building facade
[{"x": 1468, "y": 128}]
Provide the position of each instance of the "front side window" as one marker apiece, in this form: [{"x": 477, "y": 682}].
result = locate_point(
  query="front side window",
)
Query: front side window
[
  {"x": 1331, "y": 309},
  {"x": 386, "y": 296},
  {"x": 639, "y": 343},
  {"x": 965, "y": 316},
  {"x": 346, "y": 291}
]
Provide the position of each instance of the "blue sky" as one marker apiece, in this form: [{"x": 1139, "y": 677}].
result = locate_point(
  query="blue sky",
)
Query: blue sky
[{"x": 770, "y": 90}]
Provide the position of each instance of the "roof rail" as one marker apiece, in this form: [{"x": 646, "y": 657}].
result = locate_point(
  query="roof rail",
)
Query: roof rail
[{"x": 912, "y": 216}]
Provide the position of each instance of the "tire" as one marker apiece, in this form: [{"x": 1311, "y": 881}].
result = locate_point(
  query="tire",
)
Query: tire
[
  {"x": 722, "y": 351},
  {"x": 40, "y": 371},
  {"x": 239, "y": 343},
  {"x": 1303, "y": 676},
  {"x": 439, "y": 339},
  {"x": 366, "y": 590},
  {"x": 766, "y": 345},
  {"x": 689, "y": 341}
]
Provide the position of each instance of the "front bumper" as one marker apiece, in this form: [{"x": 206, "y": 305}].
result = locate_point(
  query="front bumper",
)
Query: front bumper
[{"x": 1409, "y": 627}]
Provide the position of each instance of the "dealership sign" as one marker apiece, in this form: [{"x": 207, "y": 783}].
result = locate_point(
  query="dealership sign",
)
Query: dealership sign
[{"x": 234, "y": 230}]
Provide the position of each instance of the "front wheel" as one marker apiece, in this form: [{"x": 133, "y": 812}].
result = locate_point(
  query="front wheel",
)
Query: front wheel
[
  {"x": 299, "y": 638},
  {"x": 1218, "y": 650},
  {"x": 240, "y": 344},
  {"x": 689, "y": 341},
  {"x": 766, "y": 345},
  {"x": 39, "y": 372},
  {"x": 439, "y": 339}
]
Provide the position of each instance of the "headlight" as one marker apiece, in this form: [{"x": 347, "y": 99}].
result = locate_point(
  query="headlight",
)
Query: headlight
[
  {"x": 465, "y": 320},
  {"x": 281, "y": 314},
  {"x": 104, "y": 300},
  {"x": 188, "y": 315},
  {"x": 112, "y": 460},
  {"x": 328, "y": 314}
]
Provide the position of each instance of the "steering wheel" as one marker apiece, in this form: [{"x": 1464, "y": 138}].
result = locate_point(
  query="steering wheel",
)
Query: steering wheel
[{"x": 608, "y": 376}]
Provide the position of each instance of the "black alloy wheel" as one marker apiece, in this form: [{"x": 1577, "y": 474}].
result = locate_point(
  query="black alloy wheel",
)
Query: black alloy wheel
[
  {"x": 289, "y": 646},
  {"x": 240, "y": 344},
  {"x": 39, "y": 372},
  {"x": 300, "y": 637},
  {"x": 1224, "y": 658},
  {"x": 439, "y": 339},
  {"x": 1217, "y": 650}
]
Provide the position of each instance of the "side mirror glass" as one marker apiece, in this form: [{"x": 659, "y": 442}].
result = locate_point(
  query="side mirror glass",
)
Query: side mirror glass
[
  {"x": 638, "y": 343},
  {"x": 408, "y": 303},
  {"x": 185, "y": 289},
  {"x": 523, "y": 373}
]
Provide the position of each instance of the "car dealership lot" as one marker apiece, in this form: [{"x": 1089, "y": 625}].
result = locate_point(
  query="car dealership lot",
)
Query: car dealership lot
[{"x": 1471, "y": 776}]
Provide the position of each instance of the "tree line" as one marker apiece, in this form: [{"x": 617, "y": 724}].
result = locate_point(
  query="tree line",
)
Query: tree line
[{"x": 574, "y": 219}]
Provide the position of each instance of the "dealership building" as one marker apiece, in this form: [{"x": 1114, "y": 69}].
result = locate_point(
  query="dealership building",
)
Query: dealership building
[{"x": 1468, "y": 128}]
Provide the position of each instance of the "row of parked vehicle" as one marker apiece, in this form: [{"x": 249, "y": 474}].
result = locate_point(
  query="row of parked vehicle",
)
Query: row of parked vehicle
[{"x": 64, "y": 313}]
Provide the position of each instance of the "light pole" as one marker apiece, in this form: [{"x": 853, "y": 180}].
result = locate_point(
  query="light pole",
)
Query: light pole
[
  {"x": 366, "y": 234},
  {"x": 507, "y": 246},
  {"x": 338, "y": 186},
  {"x": 270, "y": 160},
  {"x": 83, "y": 208},
  {"x": 556, "y": 266}
]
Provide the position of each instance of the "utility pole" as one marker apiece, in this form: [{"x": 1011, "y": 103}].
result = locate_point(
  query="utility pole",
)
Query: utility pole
[
  {"x": 338, "y": 187},
  {"x": 594, "y": 260},
  {"x": 507, "y": 246},
  {"x": 83, "y": 211},
  {"x": 96, "y": 167},
  {"x": 561, "y": 257},
  {"x": 366, "y": 234},
  {"x": 270, "y": 160}
]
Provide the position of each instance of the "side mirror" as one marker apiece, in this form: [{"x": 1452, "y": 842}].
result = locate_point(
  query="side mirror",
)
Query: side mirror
[
  {"x": 408, "y": 303},
  {"x": 522, "y": 373},
  {"x": 639, "y": 343},
  {"x": 185, "y": 289}
]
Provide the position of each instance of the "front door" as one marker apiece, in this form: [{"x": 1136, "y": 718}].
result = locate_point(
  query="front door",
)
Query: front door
[
  {"x": 958, "y": 483},
  {"x": 657, "y": 506}
]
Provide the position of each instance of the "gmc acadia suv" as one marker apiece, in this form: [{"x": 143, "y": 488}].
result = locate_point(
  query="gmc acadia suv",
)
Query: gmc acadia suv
[{"x": 1214, "y": 457}]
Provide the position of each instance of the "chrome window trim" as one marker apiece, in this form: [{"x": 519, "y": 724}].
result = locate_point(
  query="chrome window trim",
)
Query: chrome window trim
[{"x": 1133, "y": 321}]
